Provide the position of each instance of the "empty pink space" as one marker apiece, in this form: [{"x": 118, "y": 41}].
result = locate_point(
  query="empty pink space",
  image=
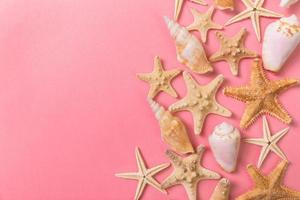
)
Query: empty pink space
[{"x": 72, "y": 110}]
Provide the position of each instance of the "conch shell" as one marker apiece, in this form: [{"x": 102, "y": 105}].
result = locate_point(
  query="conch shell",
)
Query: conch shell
[
  {"x": 224, "y": 4},
  {"x": 281, "y": 39},
  {"x": 225, "y": 143},
  {"x": 287, "y": 3},
  {"x": 222, "y": 190},
  {"x": 190, "y": 51},
  {"x": 173, "y": 131}
]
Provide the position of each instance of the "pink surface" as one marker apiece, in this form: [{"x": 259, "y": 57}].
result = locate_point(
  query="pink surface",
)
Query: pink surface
[{"x": 72, "y": 110}]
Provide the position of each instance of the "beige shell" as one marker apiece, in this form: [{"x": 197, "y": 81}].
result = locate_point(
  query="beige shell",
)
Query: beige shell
[
  {"x": 190, "y": 51},
  {"x": 222, "y": 190},
  {"x": 173, "y": 131},
  {"x": 224, "y": 4}
]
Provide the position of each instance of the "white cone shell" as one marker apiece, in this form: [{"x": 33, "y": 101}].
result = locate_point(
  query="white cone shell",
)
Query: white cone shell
[
  {"x": 279, "y": 43},
  {"x": 287, "y": 3},
  {"x": 225, "y": 143}
]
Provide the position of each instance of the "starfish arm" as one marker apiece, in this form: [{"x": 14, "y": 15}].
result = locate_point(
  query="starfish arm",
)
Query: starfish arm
[
  {"x": 268, "y": 13},
  {"x": 190, "y": 83},
  {"x": 243, "y": 93},
  {"x": 153, "y": 91},
  {"x": 277, "y": 175},
  {"x": 218, "y": 56},
  {"x": 155, "y": 170},
  {"x": 256, "y": 141},
  {"x": 216, "y": 26},
  {"x": 278, "y": 151},
  {"x": 140, "y": 188},
  {"x": 252, "y": 111},
  {"x": 158, "y": 65},
  {"x": 201, "y": 2},
  {"x": 247, "y": 53},
  {"x": 140, "y": 162},
  {"x": 241, "y": 16},
  {"x": 170, "y": 90},
  {"x": 256, "y": 25},
  {"x": 198, "y": 119},
  {"x": 179, "y": 105},
  {"x": 129, "y": 175},
  {"x": 200, "y": 151},
  {"x": 266, "y": 130},
  {"x": 259, "y": 3},
  {"x": 241, "y": 35},
  {"x": 178, "y": 7},
  {"x": 275, "y": 138},
  {"x": 248, "y": 3},
  {"x": 203, "y": 34},
  {"x": 175, "y": 159},
  {"x": 283, "y": 84},
  {"x": 209, "y": 175},
  {"x": 257, "y": 73},
  {"x": 170, "y": 181},
  {"x": 191, "y": 190},
  {"x": 172, "y": 73},
  {"x": 221, "y": 37},
  {"x": 259, "y": 180},
  {"x": 151, "y": 181},
  {"x": 255, "y": 194},
  {"x": 144, "y": 76},
  {"x": 274, "y": 108},
  {"x": 290, "y": 194},
  {"x": 214, "y": 85},
  {"x": 234, "y": 66},
  {"x": 221, "y": 110},
  {"x": 263, "y": 154}
]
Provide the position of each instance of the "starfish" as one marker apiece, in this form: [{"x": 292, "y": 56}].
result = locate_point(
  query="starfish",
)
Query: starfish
[
  {"x": 268, "y": 142},
  {"x": 144, "y": 175},
  {"x": 232, "y": 50},
  {"x": 261, "y": 96},
  {"x": 203, "y": 22},
  {"x": 188, "y": 172},
  {"x": 221, "y": 191},
  {"x": 200, "y": 101},
  {"x": 178, "y": 6},
  {"x": 159, "y": 79},
  {"x": 254, "y": 10},
  {"x": 269, "y": 187}
]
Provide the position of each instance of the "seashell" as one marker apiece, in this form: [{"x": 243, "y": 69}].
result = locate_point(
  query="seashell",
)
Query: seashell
[
  {"x": 225, "y": 144},
  {"x": 287, "y": 3},
  {"x": 224, "y": 4},
  {"x": 222, "y": 190},
  {"x": 190, "y": 51},
  {"x": 173, "y": 131},
  {"x": 280, "y": 40}
]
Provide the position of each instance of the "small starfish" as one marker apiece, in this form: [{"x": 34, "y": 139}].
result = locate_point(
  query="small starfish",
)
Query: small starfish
[
  {"x": 178, "y": 6},
  {"x": 269, "y": 187},
  {"x": 188, "y": 172},
  {"x": 261, "y": 96},
  {"x": 268, "y": 142},
  {"x": 254, "y": 10},
  {"x": 144, "y": 175},
  {"x": 200, "y": 101},
  {"x": 159, "y": 79},
  {"x": 203, "y": 23},
  {"x": 232, "y": 50}
]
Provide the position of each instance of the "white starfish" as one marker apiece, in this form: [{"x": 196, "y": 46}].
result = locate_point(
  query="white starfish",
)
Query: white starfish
[
  {"x": 178, "y": 6},
  {"x": 268, "y": 142},
  {"x": 144, "y": 175},
  {"x": 253, "y": 11}
]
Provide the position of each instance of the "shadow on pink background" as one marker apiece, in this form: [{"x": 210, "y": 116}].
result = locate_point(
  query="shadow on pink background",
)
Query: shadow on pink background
[{"x": 72, "y": 110}]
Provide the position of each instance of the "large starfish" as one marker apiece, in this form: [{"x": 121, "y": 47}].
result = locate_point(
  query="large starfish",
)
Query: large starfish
[
  {"x": 232, "y": 50},
  {"x": 269, "y": 187},
  {"x": 203, "y": 22},
  {"x": 159, "y": 79},
  {"x": 253, "y": 11},
  {"x": 268, "y": 142},
  {"x": 200, "y": 100},
  {"x": 188, "y": 172},
  {"x": 261, "y": 96},
  {"x": 144, "y": 175},
  {"x": 178, "y": 6}
]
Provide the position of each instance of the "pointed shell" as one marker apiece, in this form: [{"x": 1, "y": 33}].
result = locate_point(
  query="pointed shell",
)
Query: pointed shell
[
  {"x": 190, "y": 51},
  {"x": 224, "y": 4},
  {"x": 222, "y": 190},
  {"x": 173, "y": 131}
]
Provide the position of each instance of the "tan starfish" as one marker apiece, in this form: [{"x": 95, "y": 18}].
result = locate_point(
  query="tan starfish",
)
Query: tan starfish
[
  {"x": 232, "y": 50},
  {"x": 203, "y": 23},
  {"x": 179, "y": 3},
  {"x": 159, "y": 79},
  {"x": 200, "y": 101},
  {"x": 144, "y": 175},
  {"x": 222, "y": 190},
  {"x": 188, "y": 172},
  {"x": 268, "y": 142},
  {"x": 261, "y": 96},
  {"x": 253, "y": 11},
  {"x": 269, "y": 187}
]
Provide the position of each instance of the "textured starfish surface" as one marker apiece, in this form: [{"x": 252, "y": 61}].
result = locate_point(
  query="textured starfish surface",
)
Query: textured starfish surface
[
  {"x": 188, "y": 172},
  {"x": 261, "y": 96},
  {"x": 200, "y": 101},
  {"x": 144, "y": 175},
  {"x": 268, "y": 142},
  {"x": 269, "y": 187},
  {"x": 179, "y": 4},
  {"x": 160, "y": 80},
  {"x": 232, "y": 50},
  {"x": 203, "y": 22},
  {"x": 254, "y": 11}
]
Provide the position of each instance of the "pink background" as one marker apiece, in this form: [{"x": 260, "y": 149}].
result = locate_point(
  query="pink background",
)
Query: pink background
[{"x": 72, "y": 110}]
